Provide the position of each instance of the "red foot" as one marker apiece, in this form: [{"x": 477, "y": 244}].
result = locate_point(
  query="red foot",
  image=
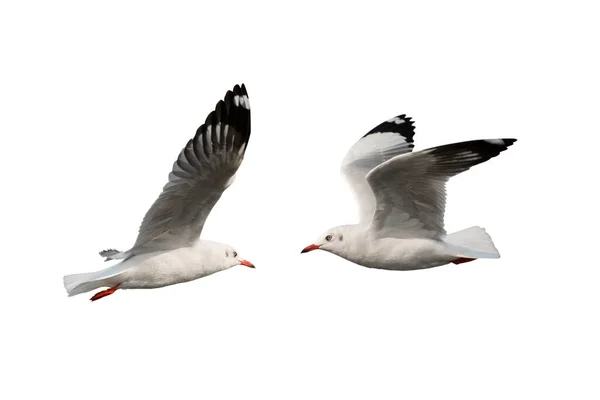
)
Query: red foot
[
  {"x": 104, "y": 293},
  {"x": 463, "y": 260}
]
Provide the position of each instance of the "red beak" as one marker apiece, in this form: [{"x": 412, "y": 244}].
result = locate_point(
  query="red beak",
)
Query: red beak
[
  {"x": 310, "y": 248},
  {"x": 247, "y": 264}
]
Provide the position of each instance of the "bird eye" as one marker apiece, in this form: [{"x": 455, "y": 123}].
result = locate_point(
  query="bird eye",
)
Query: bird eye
[
  {"x": 235, "y": 253},
  {"x": 328, "y": 238}
]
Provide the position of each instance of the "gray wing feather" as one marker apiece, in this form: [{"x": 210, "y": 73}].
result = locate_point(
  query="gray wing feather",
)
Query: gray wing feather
[
  {"x": 410, "y": 189},
  {"x": 204, "y": 169}
]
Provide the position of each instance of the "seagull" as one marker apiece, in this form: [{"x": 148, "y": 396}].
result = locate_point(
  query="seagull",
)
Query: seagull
[
  {"x": 168, "y": 249},
  {"x": 401, "y": 197}
]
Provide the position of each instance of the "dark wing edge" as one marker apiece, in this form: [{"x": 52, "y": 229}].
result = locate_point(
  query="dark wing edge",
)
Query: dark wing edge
[
  {"x": 400, "y": 124},
  {"x": 422, "y": 193}
]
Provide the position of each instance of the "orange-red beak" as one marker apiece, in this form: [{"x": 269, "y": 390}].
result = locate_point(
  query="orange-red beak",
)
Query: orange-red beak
[
  {"x": 310, "y": 248},
  {"x": 247, "y": 264}
]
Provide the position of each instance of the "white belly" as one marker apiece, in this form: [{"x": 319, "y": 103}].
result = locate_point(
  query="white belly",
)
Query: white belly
[
  {"x": 404, "y": 254},
  {"x": 162, "y": 269}
]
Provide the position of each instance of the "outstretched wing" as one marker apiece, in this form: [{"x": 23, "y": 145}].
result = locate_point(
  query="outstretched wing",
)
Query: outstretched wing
[
  {"x": 387, "y": 140},
  {"x": 410, "y": 189},
  {"x": 203, "y": 170}
]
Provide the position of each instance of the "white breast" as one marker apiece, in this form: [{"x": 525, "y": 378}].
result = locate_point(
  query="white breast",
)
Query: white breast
[{"x": 401, "y": 254}]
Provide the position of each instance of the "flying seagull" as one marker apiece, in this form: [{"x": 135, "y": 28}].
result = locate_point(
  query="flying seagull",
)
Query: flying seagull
[
  {"x": 401, "y": 196},
  {"x": 168, "y": 249}
]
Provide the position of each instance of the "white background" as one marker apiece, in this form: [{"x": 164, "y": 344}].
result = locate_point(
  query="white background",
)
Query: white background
[{"x": 97, "y": 100}]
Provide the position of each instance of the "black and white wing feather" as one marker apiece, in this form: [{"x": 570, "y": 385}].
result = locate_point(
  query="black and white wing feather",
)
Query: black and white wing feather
[
  {"x": 387, "y": 140},
  {"x": 410, "y": 189},
  {"x": 203, "y": 170}
]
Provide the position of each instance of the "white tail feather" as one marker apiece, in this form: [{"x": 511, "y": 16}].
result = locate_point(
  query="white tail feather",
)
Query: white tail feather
[
  {"x": 473, "y": 242},
  {"x": 81, "y": 283}
]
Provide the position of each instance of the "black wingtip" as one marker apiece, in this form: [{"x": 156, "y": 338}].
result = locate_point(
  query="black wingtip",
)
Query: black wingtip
[
  {"x": 220, "y": 112},
  {"x": 400, "y": 124},
  {"x": 463, "y": 155},
  {"x": 233, "y": 110},
  {"x": 500, "y": 142},
  {"x": 236, "y": 94},
  {"x": 239, "y": 90}
]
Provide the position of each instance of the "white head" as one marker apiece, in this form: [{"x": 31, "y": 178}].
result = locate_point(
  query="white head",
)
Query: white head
[
  {"x": 334, "y": 240},
  {"x": 224, "y": 256}
]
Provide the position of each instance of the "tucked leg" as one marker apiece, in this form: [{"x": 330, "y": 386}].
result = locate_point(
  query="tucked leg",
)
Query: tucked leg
[
  {"x": 104, "y": 293},
  {"x": 463, "y": 260}
]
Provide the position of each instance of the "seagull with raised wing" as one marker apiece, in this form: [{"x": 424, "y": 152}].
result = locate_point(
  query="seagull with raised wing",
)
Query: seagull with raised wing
[
  {"x": 168, "y": 249},
  {"x": 401, "y": 197}
]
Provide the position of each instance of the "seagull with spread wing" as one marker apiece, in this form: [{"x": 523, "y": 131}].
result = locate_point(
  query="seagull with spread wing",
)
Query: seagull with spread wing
[
  {"x": 168, "y": 249},
  {"x": 401, "y": 196}
]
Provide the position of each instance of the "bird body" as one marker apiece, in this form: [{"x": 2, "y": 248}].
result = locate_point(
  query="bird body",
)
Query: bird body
[
  {"x": 168, "y": 249},
  {"x": 401, "y": 197},
  {"x": 363, "y": 247},
  {"x": 157, "y": 269}
]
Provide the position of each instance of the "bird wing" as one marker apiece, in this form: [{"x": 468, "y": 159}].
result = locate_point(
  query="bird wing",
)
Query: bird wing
[
  {"x": 387, "y": 140},
  {"x": 204, "y": 169},
  {"x": 410, "y": 189}
]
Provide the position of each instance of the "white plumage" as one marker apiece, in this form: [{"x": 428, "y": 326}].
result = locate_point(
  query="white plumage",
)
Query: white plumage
[{"x": 402, "y": 196}]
